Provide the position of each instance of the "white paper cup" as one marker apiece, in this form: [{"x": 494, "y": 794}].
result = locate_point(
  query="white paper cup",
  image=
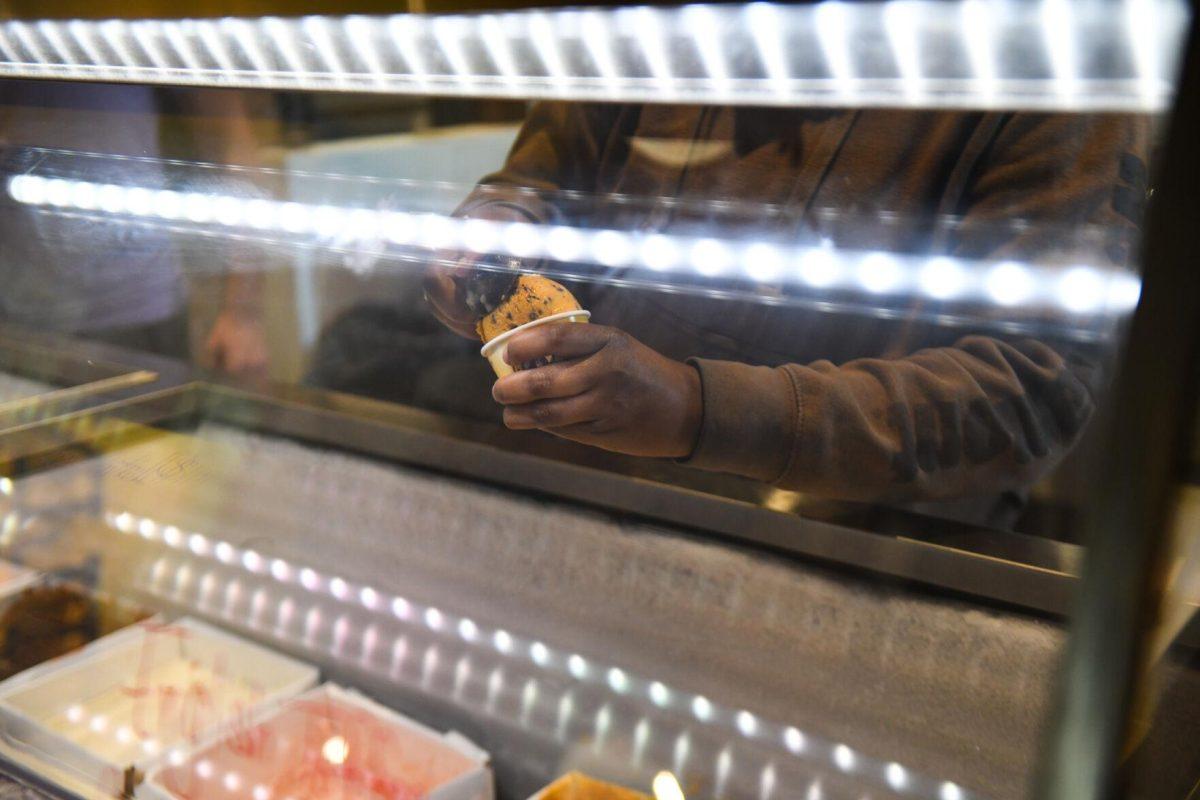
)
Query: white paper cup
[{"x": 495, "y": 350}]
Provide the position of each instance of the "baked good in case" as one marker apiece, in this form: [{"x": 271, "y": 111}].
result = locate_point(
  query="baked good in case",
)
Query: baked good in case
[{"x": 577, "y": 786}]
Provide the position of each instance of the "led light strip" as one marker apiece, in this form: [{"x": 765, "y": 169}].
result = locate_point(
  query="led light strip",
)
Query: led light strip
[
  {"x": 914, "y": 53},
  {"x": 1079, "y": 291},
  {"x": 464, "y": 629}
]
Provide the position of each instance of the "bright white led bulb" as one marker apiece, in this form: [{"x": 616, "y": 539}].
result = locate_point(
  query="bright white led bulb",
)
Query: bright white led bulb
[
  {"x": 843, "y": 756},
  {"x": 950, "y": 791},
  {"x": 139, "y": 200},
  {"x": 168, "y": 204},
  {"x": 83, "y": 195},
  {"x": 897, "y": 776},
  {"x": 1082, "y": 290},
  {"x": 437, "y": 232},
  {"x": 660, "y": 695},
  {"x": 114, "y": 200},
  {"x": 228, "y": 211},
  {"x": 1123, "y": 293},
  {"x": 577, "y": 666},
  {"x": 468, "y": 630},
  {"x": 611, "y": 248},
  {"x": 794, "y": 740},
  {"x": 18, "y": 188},
  {"x": 504, "y": 643},
  {"x": 666, "y": 787},
  {"x": 198, "y": 207},
  {"x": 762, "y": 262},
  {"x": 521, "y": 239},
  {"x": 294, "y": 217},
  {"x": 819, "y": 267},
  {"x": 539, "y": 653},
  {"x": 1009, "y": 284},
  {"x": 618, "y": 680},
  {"x": 879, "y": 273},
  {"x": 280, "y": 570},
  {"x": 711, "y": 257},
  {"x": 747, "y": 723},
  {"x": 329, "y": 221},
  {"x": 480, "y": 235},
  {"x": 58, "y": 192},
  {"x": 433, "y": 618},
  {"x": 400, "y": 228},
  {"x": 564, "y": 244},
  {"x": 942, "y": 278},
  {"x": 659, "y": 252},
  {"x": 260, "y": 214},
  {"x": 702, "y": 708}
]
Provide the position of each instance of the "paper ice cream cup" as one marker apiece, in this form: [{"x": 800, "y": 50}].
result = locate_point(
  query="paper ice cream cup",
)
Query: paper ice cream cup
[{"x": 495, "y": 350}]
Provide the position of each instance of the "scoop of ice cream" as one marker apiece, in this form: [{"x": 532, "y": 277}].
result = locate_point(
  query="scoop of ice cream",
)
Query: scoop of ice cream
[{"x": 533, "y": 297}]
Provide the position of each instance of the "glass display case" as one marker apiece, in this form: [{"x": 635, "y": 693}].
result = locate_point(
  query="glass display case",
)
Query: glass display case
[{"x": 738, "y": 401}]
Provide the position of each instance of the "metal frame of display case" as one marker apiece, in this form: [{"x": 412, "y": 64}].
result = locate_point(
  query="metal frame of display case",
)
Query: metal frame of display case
[
  {"x": 1129, "y": 524},
  {"x": 1121, "y": 585},
  {"x": 87, "y": 373},
  {"x": 999, "y": 566}
]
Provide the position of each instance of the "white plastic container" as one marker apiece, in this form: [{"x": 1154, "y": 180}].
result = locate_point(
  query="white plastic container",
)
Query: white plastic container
[
  {"x": 495, "y": 350},
  {"x": 103, "y": 716},
  {"x": 330, "y": 743}
]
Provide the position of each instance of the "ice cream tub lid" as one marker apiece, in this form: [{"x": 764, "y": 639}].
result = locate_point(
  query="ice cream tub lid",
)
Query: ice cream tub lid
[{"x": 575, "y": 315}]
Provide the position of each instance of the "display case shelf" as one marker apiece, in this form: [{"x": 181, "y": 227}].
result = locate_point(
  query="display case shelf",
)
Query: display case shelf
[{"x": 1051, "y": 55}]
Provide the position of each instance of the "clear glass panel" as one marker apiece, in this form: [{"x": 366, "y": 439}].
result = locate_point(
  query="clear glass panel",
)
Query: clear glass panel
[{"x": 778, "y": 495}]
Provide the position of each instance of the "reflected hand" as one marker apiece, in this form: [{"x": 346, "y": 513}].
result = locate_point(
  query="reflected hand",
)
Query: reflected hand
[
  {"x": 445, "y": 291},
  {"x": 447, "y": 276},
  {"x": 604, "y": 388},
  {"x": 236, "y": 344}
]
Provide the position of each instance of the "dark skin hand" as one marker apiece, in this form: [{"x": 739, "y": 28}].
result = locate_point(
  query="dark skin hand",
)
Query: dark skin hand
[{"x": 604, "y": 388}]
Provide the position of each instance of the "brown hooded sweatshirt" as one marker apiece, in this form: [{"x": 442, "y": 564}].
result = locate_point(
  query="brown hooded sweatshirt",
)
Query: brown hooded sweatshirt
[{"x": 839, "y": 399}]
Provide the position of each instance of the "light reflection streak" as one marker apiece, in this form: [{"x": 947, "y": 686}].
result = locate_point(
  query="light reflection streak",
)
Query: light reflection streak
[{"x": 744, "y": 723}]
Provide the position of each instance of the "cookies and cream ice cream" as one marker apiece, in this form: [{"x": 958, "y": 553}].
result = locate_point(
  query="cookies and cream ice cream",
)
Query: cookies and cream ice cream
[{"x": 531, "y": 297}]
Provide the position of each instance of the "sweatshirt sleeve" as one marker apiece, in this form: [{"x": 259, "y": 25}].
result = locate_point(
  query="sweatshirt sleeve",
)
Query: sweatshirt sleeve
[
  {"x": 981, "y": 416},
  {"x": 555, "y": 152}
]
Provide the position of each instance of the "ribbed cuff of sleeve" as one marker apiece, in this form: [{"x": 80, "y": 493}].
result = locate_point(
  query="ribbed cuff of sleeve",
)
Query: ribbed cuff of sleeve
[{"x": 749, "y": 420}]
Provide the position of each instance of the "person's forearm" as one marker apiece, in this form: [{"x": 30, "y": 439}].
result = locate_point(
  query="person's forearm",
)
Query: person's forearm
[{"x": 980, "y": 417}]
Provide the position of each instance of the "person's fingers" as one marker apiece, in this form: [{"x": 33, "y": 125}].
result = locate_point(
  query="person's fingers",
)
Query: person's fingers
[
  {"x": 557, "y": 413},
  {"x": 211, "y": 353},
  {"x": 565, "y": 340},
  {"x": 565, "y": 379}
]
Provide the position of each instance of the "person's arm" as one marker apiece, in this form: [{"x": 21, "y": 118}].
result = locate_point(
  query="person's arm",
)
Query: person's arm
[
  {"x": 236, "y": 343},
  {"x": 981, "y": 416}
]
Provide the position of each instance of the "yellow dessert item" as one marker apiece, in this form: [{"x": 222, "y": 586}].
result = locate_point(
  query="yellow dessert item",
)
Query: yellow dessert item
[
  {"x": 533, "y": 298},
  {"x": 577, "y": 786}
]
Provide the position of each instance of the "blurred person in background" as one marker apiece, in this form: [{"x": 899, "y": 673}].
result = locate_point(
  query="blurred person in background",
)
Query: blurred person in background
[{"x": 116, "y": 282}]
